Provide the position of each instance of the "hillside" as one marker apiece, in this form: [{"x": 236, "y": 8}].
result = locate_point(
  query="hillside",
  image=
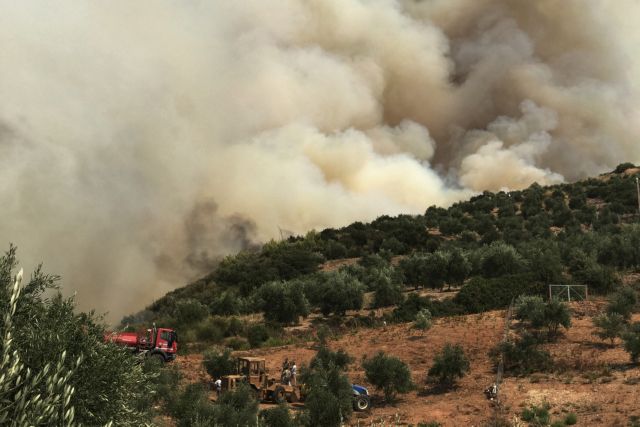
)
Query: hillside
[
  {"x": 367, "y": 286},
  {"x": 556, "y": 230}
]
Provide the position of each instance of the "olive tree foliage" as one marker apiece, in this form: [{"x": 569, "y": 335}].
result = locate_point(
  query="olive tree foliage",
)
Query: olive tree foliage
[
  {"x": 631, "y": 338},
  {"x": 423, "y": 320},
  {"x": 389, "y": 374},
  {"x": 328, "y": 402},
  {"x": 610, "y": 326},
  {"x": 283, "y": 302},
  {"x": 623, "y": 302},
  {"x": 340, "y": 292},
  {"x": 388, "y": 290},
  {"x": 500, "y": 259},
  {"x": 537, "y": 314},
  {"x": 218, "y": 363},
  {"x": 59, "y": 355},
  {"x": 448, "y": 365}
]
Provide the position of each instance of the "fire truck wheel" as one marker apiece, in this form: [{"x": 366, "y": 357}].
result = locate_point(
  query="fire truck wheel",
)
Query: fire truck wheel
[{"x": 158, "y": 358}]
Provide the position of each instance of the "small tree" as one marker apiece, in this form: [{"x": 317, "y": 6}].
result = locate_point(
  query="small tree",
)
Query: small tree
[
  {"x": 277, "y": 417},
  {"x": 423, "y": 320},
  {"x": 389, "y": 374},
  {"x": 623, "y": 302},
  {"x": 632, "y": 341},
  {"x": 448, "y": 365},
  {"x": 341, "y": 292},
  {"x": 611, "y": 326},
  {"x": 283, "y": 302},
  {"x": 329, "y": 395},
  {"x": 218, "y": 363},
  {"x": 236, "y": 408},
  {"x": 556, "y": 314},
  {"x": 257, "y": 334},
  {"x": 387, "y": 290}
]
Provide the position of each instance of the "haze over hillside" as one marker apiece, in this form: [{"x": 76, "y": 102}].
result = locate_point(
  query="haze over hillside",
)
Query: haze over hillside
[{"x": 140, "y": 142}]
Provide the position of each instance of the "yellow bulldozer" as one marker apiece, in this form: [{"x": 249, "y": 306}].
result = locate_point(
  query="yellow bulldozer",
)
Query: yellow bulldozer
[{"x": 251, "y": 370}]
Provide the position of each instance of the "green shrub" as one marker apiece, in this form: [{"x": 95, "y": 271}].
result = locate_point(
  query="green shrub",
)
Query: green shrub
[
  {"x": 631, "y": 338},
  {"x": 389, "y": 374},
  {"x": 570, "y": 419},
  {"x": 191, "y": 406},
  {"x": 329, "y": 395},
  {"x": 107, "y": 385},
  {"x": 449, "y": 365},
  {"x": 218, "y": 363},
  {"x": 341, "y": 292},
  {"x": 190, "y": 311},
  {"x": 423, "y": 320},
  {"x": 257, "y": 334},
  {"x": 237, "y": 343},
  {"x": 523, "y": 356},
  {"x": 387, "y": 290},
  {"x": 538, "y": 314},
  {"x": 283, "y": 302},
  {"x": 537, "y": 415},
  {"x": 277, "y": 417},
  {"x": 623, "y": 302},
  {"x": 208, "y": 331},
  {"x": 610, "y": 326},
  {"x": 481, "y": 294},
  {"x": 236, "y": 408}
]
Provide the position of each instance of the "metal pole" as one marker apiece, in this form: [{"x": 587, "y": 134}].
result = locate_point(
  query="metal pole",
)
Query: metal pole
[{"x": 638, "y": 189}]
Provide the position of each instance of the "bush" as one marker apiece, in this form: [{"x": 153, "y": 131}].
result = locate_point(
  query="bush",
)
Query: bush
[
  {"x": 208, "y": 331},
  {"x": 500, "y": 259},
  {"x": 448, "y": 365},
  {"x": 537, "y": 415},
  {"x": 389, "y": 374},
  {"x": 277, "y": 417},
  {"x": 325, "y": 357},
  {"x": 218, "y": 363},
  {"x": 423, "y": 320},
  {"x": 623, "y": 302},
  {"x": 257, "y": 334},
  {"x": 481, "y": 294},
  {"x": 610, "y": 325},
  {"x": 523, "y": 356},
  {"x": 236, "y": 408},
  {"x": 189, "y": 311},
  {"x": 341, "y": 292},
  {"x": 329, "y": 394},
  {"x": 631, "y": 339},
  {"x": 570, "y": 419},
  {"x": 387, "y": 290},
  {"x": 283, "y": 302},
  {"x": 191, "y": 406},
  {"x": 82, "y": 372},
  {"x": 539, "y": 314}
]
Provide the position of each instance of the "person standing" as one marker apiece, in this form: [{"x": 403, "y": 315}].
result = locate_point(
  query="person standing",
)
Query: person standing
[
  {"x": 217, "y": 385},
  {"x": 294, "y": 372}
]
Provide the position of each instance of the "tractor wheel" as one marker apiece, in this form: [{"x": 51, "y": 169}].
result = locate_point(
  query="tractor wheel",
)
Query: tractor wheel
[
  {"x": 292, "y": 397},
  {"x": 361, "y": 403},
  {"x": 279, "y": 395}
]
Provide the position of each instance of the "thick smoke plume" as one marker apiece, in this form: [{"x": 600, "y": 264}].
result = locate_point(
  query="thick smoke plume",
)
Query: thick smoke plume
[{"x": 140, "y": 141}]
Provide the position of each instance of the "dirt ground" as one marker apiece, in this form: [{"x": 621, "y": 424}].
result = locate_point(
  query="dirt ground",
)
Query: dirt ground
[{"x": 595, "y": 380}]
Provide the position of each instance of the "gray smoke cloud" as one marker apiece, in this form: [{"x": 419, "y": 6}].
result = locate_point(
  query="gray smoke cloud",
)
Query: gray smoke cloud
[{"x": 141, "y": 141}]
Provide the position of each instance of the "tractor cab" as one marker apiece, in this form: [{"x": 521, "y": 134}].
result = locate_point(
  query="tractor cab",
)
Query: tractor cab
[{"x": 253, "y": 369}]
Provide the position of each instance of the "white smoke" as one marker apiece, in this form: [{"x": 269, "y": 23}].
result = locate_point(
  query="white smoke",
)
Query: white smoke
[{"x": 141, "y": 141}]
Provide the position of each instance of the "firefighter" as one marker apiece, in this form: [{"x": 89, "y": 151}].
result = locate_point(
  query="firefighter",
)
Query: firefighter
[
  {"x": 285, "y": 364},
  {"x": 492, "y": 392}
]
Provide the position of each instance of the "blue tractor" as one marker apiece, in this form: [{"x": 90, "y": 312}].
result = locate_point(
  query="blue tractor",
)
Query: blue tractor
[{"x": 361, "y": 400}]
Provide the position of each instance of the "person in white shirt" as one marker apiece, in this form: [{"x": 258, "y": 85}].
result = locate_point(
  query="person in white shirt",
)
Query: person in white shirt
[
  {"x": 294, "y": 372},
  {"x": 217, "y": 385}
]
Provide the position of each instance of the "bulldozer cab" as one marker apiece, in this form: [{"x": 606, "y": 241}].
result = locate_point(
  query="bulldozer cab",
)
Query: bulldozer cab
[{"x": 253, "y": 369}]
